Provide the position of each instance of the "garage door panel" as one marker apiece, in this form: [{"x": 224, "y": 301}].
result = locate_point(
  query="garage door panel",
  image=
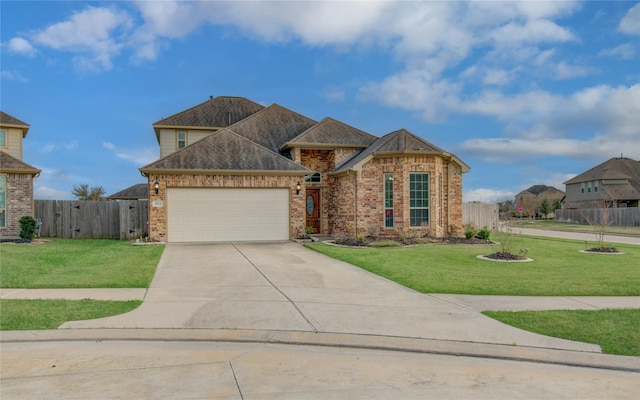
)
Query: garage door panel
[{"x": 214, "y": 215}]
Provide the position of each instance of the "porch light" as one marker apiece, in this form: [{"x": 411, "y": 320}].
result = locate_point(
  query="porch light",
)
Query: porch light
[
  {"x": 298, "y": 187},
  {"x": 156, "y": 185}
]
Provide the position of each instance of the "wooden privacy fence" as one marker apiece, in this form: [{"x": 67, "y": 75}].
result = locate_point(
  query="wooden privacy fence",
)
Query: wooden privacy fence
[
  {"x": 83, "y": 219},
  {"x": 613, "y": 216},
  {"x": 480, "y": 215}
]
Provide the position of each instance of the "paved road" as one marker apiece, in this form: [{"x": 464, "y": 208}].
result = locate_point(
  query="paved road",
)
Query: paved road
[{"x": 590, "y": 237}]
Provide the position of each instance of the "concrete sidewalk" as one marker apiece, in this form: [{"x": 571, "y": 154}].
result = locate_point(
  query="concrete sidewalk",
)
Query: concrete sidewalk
[{"x": 589, "y": 237}]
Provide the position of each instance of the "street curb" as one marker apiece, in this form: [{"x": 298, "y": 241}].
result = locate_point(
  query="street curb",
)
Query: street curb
[{"x": 337, "y": 340}]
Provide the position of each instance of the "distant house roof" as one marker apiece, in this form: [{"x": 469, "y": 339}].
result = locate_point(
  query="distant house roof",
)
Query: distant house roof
[
  {"x": 218, "y": 112},
  {"x": 135, "y": 192},
  {"x": 614, "y": 169},
  {"x": 13, "y": 122},
  {"x": 332, "y": 133},
  {"x": 537, "y": 189},
  {"x": 10, "y": 164},
  {"x": 225, "y": 150},
  {"x": 273, "y": 126},
  {"x": 398, "y": 142}
]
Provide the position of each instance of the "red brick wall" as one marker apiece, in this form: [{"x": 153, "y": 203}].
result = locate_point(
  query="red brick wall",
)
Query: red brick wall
[
  {"x": 19, "y": 202},
  {"x": 445, "y": 202},
  {"x": 158, "y": 215}
]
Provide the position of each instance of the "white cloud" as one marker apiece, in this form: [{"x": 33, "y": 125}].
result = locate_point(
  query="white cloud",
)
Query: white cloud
[
  {"x": 630, "y": 23},
  {"x": 18, "y": 45},
  {"x": 625, "y": 52},
  {"x": 92, "y": 34},
  {"x": 13, "y": 76},
  {"x": 135, "y": 156},
  {"x": 484, "y": 195},
  {"x": 568, "y": 71},
  {"x": 47, "y": 193}
]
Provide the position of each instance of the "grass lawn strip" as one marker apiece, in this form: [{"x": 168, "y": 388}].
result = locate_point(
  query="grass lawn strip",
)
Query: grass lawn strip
[
  {"x": 78, "y": 263},
  {"x": 574, "y": 227},
  {"x": 558, "y": 269},
  {"x": 617, "y": 331},
  {"x": 50, "y": 314}
]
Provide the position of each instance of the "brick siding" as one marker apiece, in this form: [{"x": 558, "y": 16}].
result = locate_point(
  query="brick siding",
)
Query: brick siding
[{"x": 19, "y": 202}]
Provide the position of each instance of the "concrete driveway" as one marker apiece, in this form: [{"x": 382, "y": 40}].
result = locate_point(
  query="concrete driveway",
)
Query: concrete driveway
[{"x": 287, "y": 287}]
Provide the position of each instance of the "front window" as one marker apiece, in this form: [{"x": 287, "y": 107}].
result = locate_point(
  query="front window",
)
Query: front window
[
  {"x": 182, "y": 139},
  {"x": 388, "y": 200},
  {"x": 582, "y": 187},
  {"x": 313, "y": 178},
  {"x": 418, "y": 199},
  {"x": 3, "y": 201},
  {"x": 589, "y": 187},
  {"x": 595, "y": 186},
  {"x": 3, "y": 138}
]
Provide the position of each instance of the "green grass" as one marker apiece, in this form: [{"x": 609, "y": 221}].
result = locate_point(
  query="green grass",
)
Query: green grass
[
  {"x": 574, "y": 227},
  {"x": 77, "y": 263},
  {"x": 616, "y": 331},
  {"x": 558, "y": 268},
  {"x": 50, "y": 314}
]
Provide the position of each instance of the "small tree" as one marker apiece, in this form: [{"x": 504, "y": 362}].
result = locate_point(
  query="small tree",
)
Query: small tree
[
  {"x": 545, "y": 207},
  {"x": 27, "y": 227},
  {"x": 84, "y": 192}
]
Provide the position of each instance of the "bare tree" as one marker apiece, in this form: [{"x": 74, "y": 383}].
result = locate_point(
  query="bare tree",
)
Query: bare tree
[{"x": 600, "y": 219}]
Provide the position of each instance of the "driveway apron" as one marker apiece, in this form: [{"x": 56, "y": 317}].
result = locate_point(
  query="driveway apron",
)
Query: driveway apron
[{"x": 286, "y": 287}]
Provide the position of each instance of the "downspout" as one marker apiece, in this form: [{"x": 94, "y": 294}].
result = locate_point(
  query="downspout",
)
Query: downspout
[{"x": 355, "y": 200}]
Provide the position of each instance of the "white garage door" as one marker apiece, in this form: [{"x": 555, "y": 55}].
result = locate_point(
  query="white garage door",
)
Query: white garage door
[{"x": 224, "y": 215}]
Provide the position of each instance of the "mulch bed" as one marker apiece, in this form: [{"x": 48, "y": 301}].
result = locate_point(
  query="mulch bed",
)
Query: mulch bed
[
  {"x": 604, "y": 249},
  {"x": 365, "y": 242},
  {"x": 505, "y": 256}
]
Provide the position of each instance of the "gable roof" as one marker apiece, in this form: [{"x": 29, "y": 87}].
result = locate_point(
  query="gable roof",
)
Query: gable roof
[
  {"x": 332, "y": 133},
  {"x": 218, "y": 112},
  {"x": 138, "y": 191},
  {"x": 225, "y": 150},
  {"x": 273, "y": 126},
  {"x": 398, "y": 142},
  {"x": 615, "y": 168},
  {"x": 13, "y": 122},
  {"x": 10, "y": 164}
]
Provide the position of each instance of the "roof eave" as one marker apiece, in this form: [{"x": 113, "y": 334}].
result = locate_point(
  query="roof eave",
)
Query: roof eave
[
  {"x": 30, "y": 171},
  {"x": 322, "y": 146},
  {"x": 159, "y": 171},
  {"x": 25, "y": 128}
]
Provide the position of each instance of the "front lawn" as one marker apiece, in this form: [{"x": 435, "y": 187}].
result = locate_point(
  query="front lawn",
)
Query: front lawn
[
  {"x": 616, "y": 331},
  {"x": 78, "y": 263},
  {"x": 50, "y": 314},
  {"x": 558, "y": 268},
  {"x": 553, "y": 225}
]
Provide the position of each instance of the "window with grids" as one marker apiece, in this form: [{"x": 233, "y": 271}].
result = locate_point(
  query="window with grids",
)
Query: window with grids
[
  {"x": 182, "y": 139},
  {"x": 3, "y": 138},
  {"x": 388, "y": 200},
  {"x": 418, "y": 199}
]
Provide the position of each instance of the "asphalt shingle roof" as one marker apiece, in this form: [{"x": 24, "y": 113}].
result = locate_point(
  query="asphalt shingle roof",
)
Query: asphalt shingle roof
[
  {"x": 614, "y": 168},
  {"x": 218, "y": 112},
  {"x": 225, "y": 150},
  {"x": 8, "y": 120},
  {"x": 333, "y": 133},
  {"x": 273, "y": 126},
  {"x": 138, "y": 191},
  {"x": 9, "y": 163}
]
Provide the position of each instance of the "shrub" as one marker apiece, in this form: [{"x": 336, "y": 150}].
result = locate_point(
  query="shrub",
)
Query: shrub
[
  {"x": 27, "y": 227},
  {"x": 469, "y": 232},
  {"x": 385, "y": 243},
  {"x": 484, "y": 233}
]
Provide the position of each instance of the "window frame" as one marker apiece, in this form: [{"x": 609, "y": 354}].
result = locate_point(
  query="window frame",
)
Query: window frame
[
  {"x": 417, "y": 207},
  {"x": 4, "y": 134},
  {"x": 582, "y": 187},
  {"x": 3, "y": 201},
  {"x": 316, "y": 177},
  {"x": 178, "y": 140},
  {"x": 388, "y": 194},
  {"x": 595, "y": 186}
]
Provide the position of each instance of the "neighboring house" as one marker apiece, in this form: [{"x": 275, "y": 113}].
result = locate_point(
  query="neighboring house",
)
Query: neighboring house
[
  {"x": 614, "y": 183},
  {"x": 530, "y": 199},
  {"x": 16, "y": 176},
  {"x": 139, "y": 191},
  {"x": 233, "y": 170}
]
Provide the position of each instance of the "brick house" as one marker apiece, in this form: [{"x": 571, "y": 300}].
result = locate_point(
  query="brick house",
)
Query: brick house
[
  {"x": 233, "y": 170},
  {"x": 530, "y": 199},
  {"x": 16, "y": 176}
]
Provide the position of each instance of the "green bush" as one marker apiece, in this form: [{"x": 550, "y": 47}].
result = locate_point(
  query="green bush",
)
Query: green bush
[
  {"x": 469, "y": 232},
  {"x": 484, "y": 233},
  {"x": 27, "y": 227}
]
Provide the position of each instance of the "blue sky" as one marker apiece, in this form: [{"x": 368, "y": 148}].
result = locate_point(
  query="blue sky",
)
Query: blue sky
[{"x": 525, "y": 93}]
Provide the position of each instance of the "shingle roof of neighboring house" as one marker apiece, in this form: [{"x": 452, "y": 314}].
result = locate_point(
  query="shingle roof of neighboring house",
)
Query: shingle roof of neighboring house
[
  {"x": 225, "y": 150},
  {"x": 615, "y": 168},
  {"x": 138, "y": 191},
  {"x": 273, "y": 126},
  {"x": 218, "y": 112},
  {"x": 400, "y": 141},
  {"x": 10, "y": 164},
  {"x": 10, "y": 121},
  {"x": 332, "y": 133},
  {"x": 537, "y": 189}
]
